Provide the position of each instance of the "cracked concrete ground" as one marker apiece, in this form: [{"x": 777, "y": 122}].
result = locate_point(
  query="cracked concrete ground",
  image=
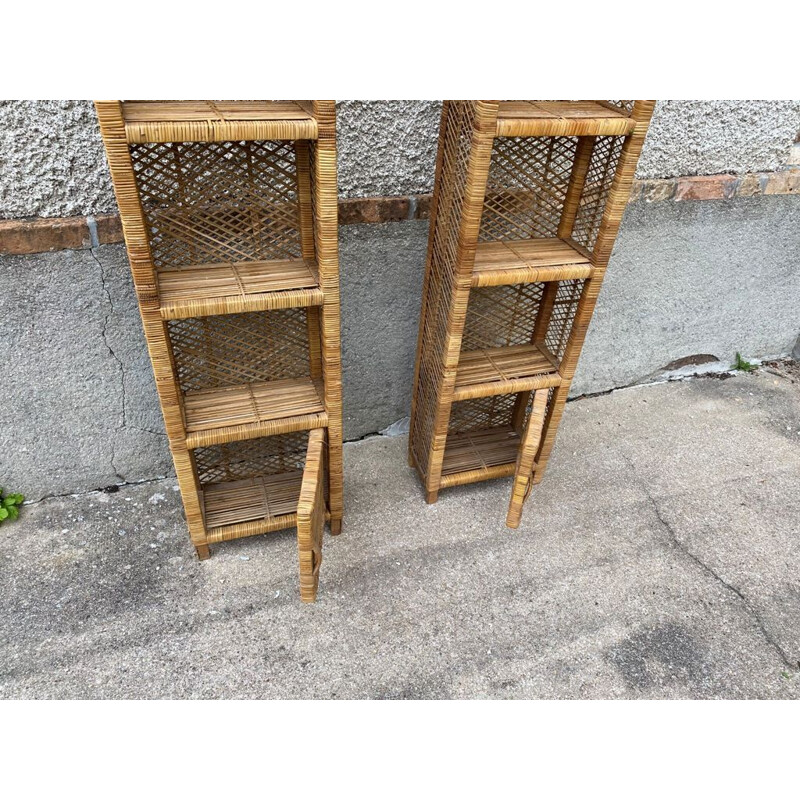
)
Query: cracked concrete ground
[{"x": 660, "y": 558}]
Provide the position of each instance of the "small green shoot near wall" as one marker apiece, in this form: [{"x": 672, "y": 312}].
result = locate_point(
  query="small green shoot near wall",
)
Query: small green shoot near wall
[
  {"x": 742, "y": 365},
  {"x": 9, "y": 506}
]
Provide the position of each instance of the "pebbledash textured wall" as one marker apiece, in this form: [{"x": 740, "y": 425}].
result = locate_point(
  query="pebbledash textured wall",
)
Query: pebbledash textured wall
[
  {"x": 52, "y": 162},
  {"x": 689, "y": 276}
]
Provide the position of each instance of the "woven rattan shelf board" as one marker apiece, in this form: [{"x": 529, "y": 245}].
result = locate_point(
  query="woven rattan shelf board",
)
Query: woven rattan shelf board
[
  {"x": 261, "y": 498},
  {"x": 480, "y": 450},
  {"x": 247, "y": 286},
  {"x": 502, "y": 370},
  {"x": 528, "y": 261},
  {"x": 215, "y": 121},
  {"x": 568, "y": 118},
  {"x": 235, "y": 412}
]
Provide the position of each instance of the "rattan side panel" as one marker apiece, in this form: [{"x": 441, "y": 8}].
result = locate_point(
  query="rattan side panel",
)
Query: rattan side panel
[
  {"x": 526, "y": 188},
  {"x": 501, "y": 316},
  {"x": 504, "y": 316},
  {"x": 463, "y": 164},
  {"x": 598, "y": 182},
  {"x": 482, "y": 412}
]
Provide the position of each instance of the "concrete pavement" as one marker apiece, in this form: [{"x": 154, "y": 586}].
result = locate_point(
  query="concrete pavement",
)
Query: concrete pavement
[{"x": 660, "y": 558}]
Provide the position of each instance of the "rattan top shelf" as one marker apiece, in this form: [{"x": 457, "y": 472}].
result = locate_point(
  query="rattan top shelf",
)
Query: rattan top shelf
[
  {"x": 561, "y": 118},
  {"x": 209, "y": 121}
]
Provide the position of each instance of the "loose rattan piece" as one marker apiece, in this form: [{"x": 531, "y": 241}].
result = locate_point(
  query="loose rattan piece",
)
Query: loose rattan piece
[
  {"x": 229, "y": 211},
  {"x": 527, "y": 202}
]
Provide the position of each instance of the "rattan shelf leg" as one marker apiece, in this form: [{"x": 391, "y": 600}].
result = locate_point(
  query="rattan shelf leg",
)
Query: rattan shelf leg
[
  {"x": 203, "y": 551},
  {"x": 336, "y": 527},
  {"x": 431, "y": 497},
  {"x": 186, "y": 472}
]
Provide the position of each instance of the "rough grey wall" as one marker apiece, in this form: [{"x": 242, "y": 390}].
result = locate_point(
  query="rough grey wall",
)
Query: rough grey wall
[
  {"x": 79, "y": 408},
  {"x": 387, "y": 148},
  {"x": 52, "y": 164},
  {"x": 700, "y": 137}
]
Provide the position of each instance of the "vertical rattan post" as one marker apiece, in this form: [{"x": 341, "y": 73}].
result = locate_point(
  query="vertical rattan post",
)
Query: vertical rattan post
[
  {"x": 527, "y": 201},
  {"x": 327, "y": 246},
  {"x": 306, "y": 224}
]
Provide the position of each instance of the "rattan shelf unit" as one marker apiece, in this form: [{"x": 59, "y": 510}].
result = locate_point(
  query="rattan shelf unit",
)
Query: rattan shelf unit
[
  {"x": 229, "y": 212},
  {"x": 527, "y": 202}
]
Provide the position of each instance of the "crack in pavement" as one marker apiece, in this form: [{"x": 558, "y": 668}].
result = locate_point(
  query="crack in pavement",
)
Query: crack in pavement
[
  {"x": 679, "y": 545},
  {"x": 122, "y": 485},
  {"x": 104, "y": 334}
]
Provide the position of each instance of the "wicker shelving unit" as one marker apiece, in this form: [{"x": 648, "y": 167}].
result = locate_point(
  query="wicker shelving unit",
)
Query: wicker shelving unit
[
  {"x": 229, "y": 212},
  {"x": 527, "y": 202}
]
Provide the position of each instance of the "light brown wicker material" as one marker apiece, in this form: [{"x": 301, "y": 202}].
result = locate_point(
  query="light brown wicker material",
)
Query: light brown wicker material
[
  {"x": 527, "y": 202},
  {"x": 209, "y": 121},
  {"x": 229, "y": 212}
]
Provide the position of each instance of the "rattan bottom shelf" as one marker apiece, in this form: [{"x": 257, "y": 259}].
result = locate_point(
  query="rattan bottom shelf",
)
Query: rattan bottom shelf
[
  {"x": 479, "y": 455},
  {"x": 250, "y": 506}
]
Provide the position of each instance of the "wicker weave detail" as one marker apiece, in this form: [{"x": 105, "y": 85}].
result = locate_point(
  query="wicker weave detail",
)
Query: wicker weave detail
[
  {"x": 623, "y": 105},
  {"x": 599, "y": 178},
  {"x": 269, "y": 455},
  {"x": 214, "y": 202},
  {"x": 527, "y": 185},
  {"x": 443, "y": 268},
  {"x": 231, "y": 349},
  {"x": 482, "y": 412},
  {"x": 499, "y": 316},
  {"x": 565, "y": 307}
]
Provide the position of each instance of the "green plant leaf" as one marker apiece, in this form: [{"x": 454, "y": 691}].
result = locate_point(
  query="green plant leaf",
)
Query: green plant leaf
[
  {"x": 3, "y": 513},
  {"x": 13, "y": 512}
]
